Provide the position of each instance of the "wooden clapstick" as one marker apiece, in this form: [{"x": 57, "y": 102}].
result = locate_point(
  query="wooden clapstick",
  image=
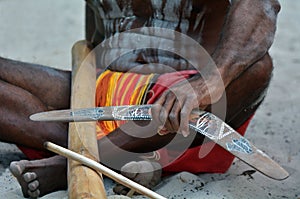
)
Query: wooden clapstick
[{"x": 83, "y": 182}]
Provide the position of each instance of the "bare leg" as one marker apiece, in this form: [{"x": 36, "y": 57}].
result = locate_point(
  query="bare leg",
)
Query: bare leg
[
  {"x": 49, "y": 85},
  {"x": 16, "y": 105},
  {"x": 26, "y": 89}
]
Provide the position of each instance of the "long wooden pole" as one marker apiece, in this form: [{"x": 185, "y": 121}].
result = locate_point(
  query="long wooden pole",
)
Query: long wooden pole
[
  {"x": 83, "y": 182},
  {"x": 106, "y": 171}
]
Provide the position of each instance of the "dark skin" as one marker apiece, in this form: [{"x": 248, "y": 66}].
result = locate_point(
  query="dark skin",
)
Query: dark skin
[{"x": 240, "y": 54}]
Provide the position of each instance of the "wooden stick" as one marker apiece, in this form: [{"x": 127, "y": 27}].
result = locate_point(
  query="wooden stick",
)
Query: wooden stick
[
  {"x": 83, "y": 182},
  {"x": 106, "y": 171}
]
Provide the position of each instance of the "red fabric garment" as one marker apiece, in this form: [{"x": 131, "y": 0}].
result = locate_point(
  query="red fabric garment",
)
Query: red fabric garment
[
  {"x": 165, "y": 81},
  {"x": 33, "y": 154}
]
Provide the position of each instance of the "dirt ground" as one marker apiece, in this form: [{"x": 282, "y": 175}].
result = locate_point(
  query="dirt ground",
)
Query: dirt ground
[{"x": 44, "y": 31}]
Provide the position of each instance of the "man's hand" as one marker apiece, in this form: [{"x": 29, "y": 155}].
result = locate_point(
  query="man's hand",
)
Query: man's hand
[{"x": 173, "y": 108}]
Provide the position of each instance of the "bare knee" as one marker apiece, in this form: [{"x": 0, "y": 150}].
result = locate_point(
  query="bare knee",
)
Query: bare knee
[
  {"x": 263, "y": 69},
  {"x": 245, "y": 94}
]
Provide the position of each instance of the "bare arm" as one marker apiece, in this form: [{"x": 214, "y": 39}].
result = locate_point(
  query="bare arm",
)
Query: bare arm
[{"x": 247, "y": 36}]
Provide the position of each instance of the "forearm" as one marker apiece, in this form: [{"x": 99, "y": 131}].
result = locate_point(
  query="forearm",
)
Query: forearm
[{"x": 246, "y": 37}]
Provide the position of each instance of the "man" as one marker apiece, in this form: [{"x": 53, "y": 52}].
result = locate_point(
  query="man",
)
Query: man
[{"x": 237, "y": 35}]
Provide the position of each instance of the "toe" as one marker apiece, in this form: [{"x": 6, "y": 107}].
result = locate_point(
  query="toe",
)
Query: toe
[
  {"x": 16, "y": 168},
  {"x": 130, "y": 169},
  {"x": 120, "y": 189},
  {"x": 33, "y": 185},
  {"x": 34, "y": 194},
  {"x": 29, "y": 176}
]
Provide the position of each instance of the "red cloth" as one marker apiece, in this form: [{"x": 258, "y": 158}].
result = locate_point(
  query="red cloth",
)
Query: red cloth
[
  {"x": 165, "y": 81},
  {"x": 33, "y": 154}
]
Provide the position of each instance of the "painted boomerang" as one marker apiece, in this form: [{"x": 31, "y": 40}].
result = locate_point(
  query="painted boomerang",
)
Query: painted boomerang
[{"x": 202, "y": 122}]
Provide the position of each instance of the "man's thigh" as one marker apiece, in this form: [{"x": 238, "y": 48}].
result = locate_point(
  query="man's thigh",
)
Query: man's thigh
[{"x": 50, "y": 85}]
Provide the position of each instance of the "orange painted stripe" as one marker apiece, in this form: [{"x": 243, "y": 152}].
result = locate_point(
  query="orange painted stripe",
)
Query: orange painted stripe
[
  {"x": 126, "y": 91},
  {"x": 115, "y": 88}
]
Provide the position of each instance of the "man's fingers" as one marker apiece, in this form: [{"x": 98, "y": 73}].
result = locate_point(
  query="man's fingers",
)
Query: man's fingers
[
  {"x": 172, "y": 112},
  {"x": 188, "y": 104},
  {"x": 160, "y": 109},
  {"x": 174, "y": 116},
  {"x": 184, "y": 119},
  {"x": 156, "y": 109},
  {"x": 166, "y": 111}
]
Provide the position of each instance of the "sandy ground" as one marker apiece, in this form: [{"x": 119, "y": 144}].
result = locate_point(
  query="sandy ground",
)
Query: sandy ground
[{"x": 43, "y": 32}]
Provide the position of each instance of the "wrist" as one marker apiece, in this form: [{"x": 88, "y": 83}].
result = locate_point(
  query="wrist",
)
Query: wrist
[{"x": 228, "y": 65}]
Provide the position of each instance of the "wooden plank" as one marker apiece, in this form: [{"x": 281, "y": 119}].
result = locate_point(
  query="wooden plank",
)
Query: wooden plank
[{"x": 83, "y": 182}]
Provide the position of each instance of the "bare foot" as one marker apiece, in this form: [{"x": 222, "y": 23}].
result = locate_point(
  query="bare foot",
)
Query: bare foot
[
  {"x": 40, "y": 177},
  {"x": 145, "y": 173}
]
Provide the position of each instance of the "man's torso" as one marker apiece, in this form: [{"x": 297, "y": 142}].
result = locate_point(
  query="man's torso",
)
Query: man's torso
[{"x": 201, "y": 20}]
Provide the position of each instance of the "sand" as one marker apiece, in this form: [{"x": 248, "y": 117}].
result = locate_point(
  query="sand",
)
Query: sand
[{"x": 44, "y": 31}]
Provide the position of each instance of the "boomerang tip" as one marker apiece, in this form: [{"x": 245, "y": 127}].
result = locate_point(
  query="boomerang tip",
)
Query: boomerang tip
[
  {"x": 282, "y": 175},
  {"x": 34, "y": 117},
  {"x": 41, "y": 117}
]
